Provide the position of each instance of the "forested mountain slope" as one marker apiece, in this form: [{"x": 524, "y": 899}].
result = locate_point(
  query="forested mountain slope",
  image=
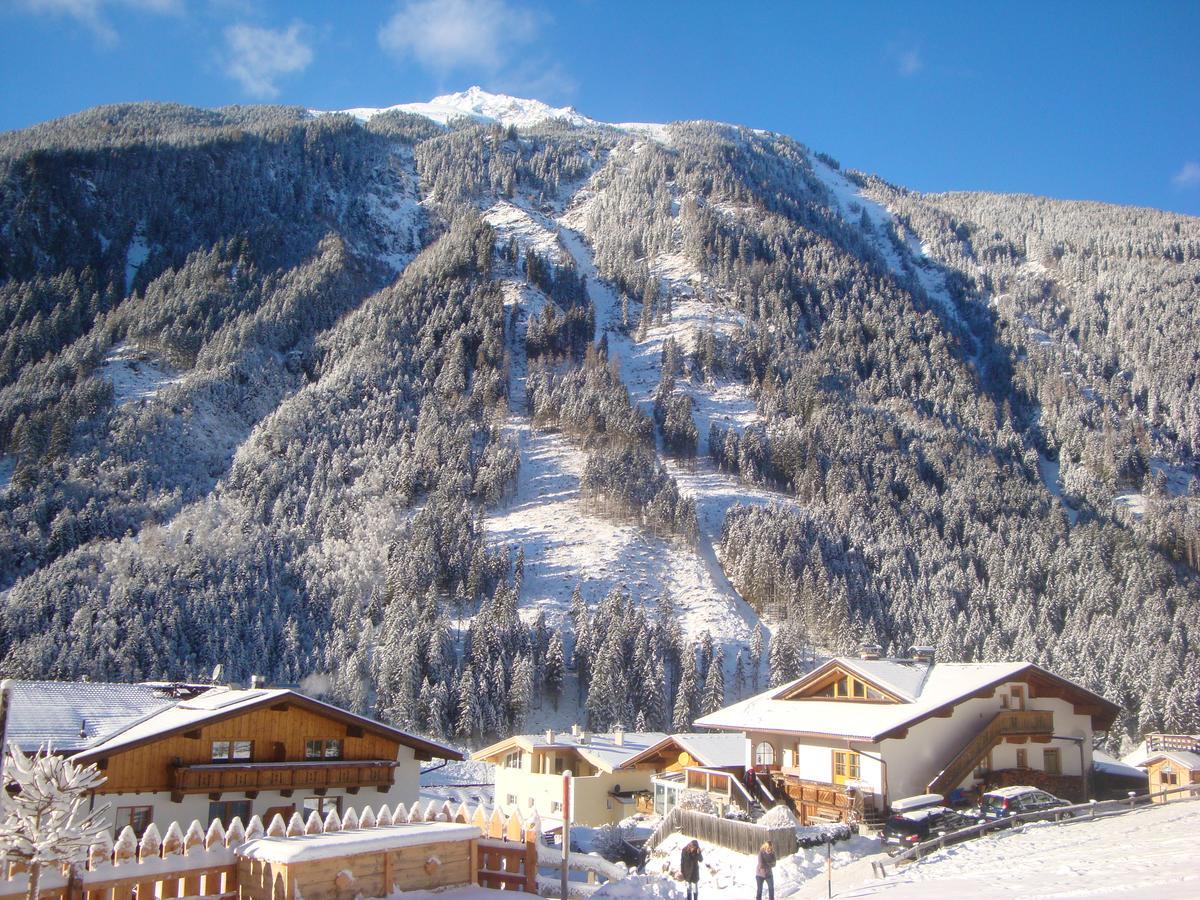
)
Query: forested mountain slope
[{"x": 477, "y": 426}]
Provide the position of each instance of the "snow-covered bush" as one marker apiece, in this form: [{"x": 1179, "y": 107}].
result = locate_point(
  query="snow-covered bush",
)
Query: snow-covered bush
[
  {"x": 46, "y": 817},
  {"x": 610, "y": 841},
  {"x": 698, "y": 801}
]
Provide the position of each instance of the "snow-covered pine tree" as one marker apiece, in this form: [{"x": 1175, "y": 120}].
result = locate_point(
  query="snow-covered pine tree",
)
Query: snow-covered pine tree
[
  {"x": 554, "y": 669},
  {"x": 714, "y": 685}
]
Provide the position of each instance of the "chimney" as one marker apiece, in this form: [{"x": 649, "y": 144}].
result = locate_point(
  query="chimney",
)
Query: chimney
[
  {"x": 549, "y": 735},
  {"x": 618, "y": 735},
  {"x": 82, "y": 727},
  {"x": 575, "y": 730},
  {"x": 870, "y": 651},
  {"x": 921, "y": 653},
  {"x": 584, "y": 737},
  {"x": 257, "y": 681}
]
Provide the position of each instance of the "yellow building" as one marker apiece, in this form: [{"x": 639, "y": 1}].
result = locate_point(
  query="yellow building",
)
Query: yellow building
[
  {"x": 529, "y": 770},
  {"x": 1171, "y": 769}
]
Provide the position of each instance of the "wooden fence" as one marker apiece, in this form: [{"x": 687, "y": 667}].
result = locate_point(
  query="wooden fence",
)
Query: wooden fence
[
  {"x": 743, "y": 837},
  {"x": 197, "y": 861},
  {"x": 1059, "y": 815}
]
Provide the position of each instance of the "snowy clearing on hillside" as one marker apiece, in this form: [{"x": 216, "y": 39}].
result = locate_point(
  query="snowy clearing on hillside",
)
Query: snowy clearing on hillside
[
  {"x": 396, "y": 209},
  {"x": 511, "y": 221},
  {"x": 1178, "y": 482},
  {"x": 1049, "y": 470},
  {"x": 135, "y": 257},
  {"x": 1147, "y": 853},
  {"x": 134, "y": 375},
  {"x": 7, "y": 465}
]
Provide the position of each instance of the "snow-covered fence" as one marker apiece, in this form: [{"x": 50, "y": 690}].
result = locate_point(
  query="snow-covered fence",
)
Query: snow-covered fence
[
  {"x": 743, "y": 837},
  {"x": 1059, "y": 815},
  {"x": 198, "y": 861}
]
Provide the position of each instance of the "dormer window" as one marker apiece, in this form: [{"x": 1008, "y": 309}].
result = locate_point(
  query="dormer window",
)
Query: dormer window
[{"x": 849, "y": 688}]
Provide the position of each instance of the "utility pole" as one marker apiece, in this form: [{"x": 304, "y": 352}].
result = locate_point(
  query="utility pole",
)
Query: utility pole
[{"x": 566, "y": 831}]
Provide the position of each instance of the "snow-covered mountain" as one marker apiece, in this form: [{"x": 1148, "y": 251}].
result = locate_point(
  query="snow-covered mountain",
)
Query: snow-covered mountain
[
  {"x": 481, "y": 106},
  {"x": 484, "y": 430}
]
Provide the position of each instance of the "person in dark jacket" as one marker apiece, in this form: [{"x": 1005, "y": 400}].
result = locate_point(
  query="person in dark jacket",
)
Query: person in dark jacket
[
  {"x": 689, "y": 868},
  {"x": 765, "y": 871}
]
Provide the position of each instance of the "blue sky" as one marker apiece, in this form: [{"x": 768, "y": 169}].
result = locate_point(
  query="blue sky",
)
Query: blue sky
[{"x": 1087, "y": 100}]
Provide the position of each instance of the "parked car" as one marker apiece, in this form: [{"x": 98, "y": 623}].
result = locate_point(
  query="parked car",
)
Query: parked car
[
  {"x": 917, "y": 819},
  {"x": 1011, "y": 801}
]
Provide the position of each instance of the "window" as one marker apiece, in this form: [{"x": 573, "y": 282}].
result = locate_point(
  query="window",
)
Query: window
[
  {"x": 849, "y": 687},
  {"x": 845, "y": 766},
  {"x": 1018, "y": 696},
  {"x": 232, "y": 751},
  {"x": 559, "y": 764},
  {"x": 227, "y": 810},
  {"x": 555, "y": 806},
  {"x": 513, "y": 760},
  {"x": 510, "y": 799},
  {"x": 322, "y": 749},
  {"x": 1052, "y": 761},
  {"x": 136, "y": 817},
  {"x": 1168, "y": 777},
  {"x": 1022, "y": 759},
  {"x": 322, "y": 806},
  {"x": 764, "y": 755}
]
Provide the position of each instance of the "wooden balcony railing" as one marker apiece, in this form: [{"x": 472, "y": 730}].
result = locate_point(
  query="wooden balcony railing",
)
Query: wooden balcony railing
[
  {"x": 282, "y": 776},
  {"x": 822, "y": 801}
]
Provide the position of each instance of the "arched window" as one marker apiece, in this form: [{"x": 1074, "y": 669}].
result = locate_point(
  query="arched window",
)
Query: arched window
[{"x": 764, "y": 755}]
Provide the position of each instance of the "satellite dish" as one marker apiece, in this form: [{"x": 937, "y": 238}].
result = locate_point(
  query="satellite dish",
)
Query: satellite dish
[{"x": 216, "y": 673}]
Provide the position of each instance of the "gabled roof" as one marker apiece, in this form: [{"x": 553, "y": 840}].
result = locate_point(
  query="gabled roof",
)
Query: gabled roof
[
  {"x": 1184, "y": 758},
  {"x": 939, "y": 688},
  {"x": 74, "y": 715},
  {"x": 714, "y": 751},
  {"x": 601, "y": 750},
  {"x": 131, "y": 716}
]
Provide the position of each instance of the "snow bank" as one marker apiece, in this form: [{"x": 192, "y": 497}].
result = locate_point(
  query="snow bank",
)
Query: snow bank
[{"x": 135, "y": 375}]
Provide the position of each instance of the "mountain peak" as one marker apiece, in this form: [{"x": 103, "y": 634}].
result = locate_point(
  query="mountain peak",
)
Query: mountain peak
[{"x": 482, "y": 106}]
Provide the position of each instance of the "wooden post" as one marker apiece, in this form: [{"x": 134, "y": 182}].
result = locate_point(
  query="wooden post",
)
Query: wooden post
[
  {"x": 531, "y": 867},
  {"x": 474, "y": 861},
  {"x": 566, "y": 830}
]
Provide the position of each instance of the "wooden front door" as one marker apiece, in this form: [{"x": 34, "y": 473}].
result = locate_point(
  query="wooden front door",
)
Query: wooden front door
[{"x": 845, "y": 766}]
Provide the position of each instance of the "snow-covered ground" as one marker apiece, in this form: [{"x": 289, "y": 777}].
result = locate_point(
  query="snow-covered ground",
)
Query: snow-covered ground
[
  {"x": 480, "y": 105},
  {"x": 725, "y": 873},
  {"x": 511, "y": 221},
  {"x": 1049, "y": 470},
  {"x": 135, "y": 257},
  {"x": 1147, "y": 853},
  {"x": 7, "y": 465},
  {"x": 134, "y": 375},
  {"x": 1178, "y": 482}
]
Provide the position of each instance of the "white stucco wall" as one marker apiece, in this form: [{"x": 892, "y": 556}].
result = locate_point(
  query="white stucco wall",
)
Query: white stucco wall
[
  {"x": 915, "y": 760},
  {"x": 590, "y": 803}
]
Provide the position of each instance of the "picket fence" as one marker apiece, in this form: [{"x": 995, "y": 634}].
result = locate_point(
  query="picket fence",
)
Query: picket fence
[{"x": 199, "y": 861}]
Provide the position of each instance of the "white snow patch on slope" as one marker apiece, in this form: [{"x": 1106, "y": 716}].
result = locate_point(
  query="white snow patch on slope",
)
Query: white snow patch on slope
[
  {"x": 135, "y": 375},
  {"x": 510, "y": 221},
  {"x": 1146, "y": 853},
  {"x": 135, "y": 257},
  {"x": 395, "y": 206},
  {"x": 7, "y": 466},
  {"x": 1178, "y": 482},
  {"x": 1049, "y": 470},
  {"x": 480, "y": 105}
]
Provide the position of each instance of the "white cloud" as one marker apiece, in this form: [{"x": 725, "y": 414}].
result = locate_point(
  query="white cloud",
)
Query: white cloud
[
  {"x": 1188, "y": 176},
  {"x": 908, "y": 62},
  {"x": 449, "y": 34},
  {"x": 90, "y": 13},
  {"x": 257, "y": 57}
]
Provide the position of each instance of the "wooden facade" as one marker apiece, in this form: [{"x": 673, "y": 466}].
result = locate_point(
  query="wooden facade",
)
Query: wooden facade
[
  {"x": 1172, "y": 770},
  {"x": 182, "y": 762}
]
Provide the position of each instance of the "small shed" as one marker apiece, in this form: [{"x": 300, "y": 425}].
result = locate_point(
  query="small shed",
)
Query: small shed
[
  {"x": 1171, "y": 769},
  {"x": 345, "y": 864}
]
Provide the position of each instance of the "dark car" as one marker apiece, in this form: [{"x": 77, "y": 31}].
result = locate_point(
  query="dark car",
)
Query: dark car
[
  {"x": 1012, "y": 801},
  {"x": 905, "y": 829}
]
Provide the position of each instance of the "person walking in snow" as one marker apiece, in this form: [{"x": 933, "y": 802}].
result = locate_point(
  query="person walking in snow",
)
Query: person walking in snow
[
  {"x": 765, "y": 871},
  {"x": 689, "y": 868}
]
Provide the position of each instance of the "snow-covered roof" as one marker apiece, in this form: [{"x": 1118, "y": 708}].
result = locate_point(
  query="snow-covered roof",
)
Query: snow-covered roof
[
  {"x": 1185, "y": 758},
  {"x": 1110, "y": 765},
  {"x": 336, "y": 844},
  {"x": 93, "y": 719},
  {"x": 75, "y": 715},
  {"x": 924, "y": 688},
  {"x": 714, "y": 750},
  {"x": 601, "y": 750}
]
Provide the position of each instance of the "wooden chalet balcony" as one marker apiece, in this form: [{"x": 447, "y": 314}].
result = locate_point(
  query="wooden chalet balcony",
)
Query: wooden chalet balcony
[
  {"x": 314, "y": 775},
  {"x": 822, "y": 801}
]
